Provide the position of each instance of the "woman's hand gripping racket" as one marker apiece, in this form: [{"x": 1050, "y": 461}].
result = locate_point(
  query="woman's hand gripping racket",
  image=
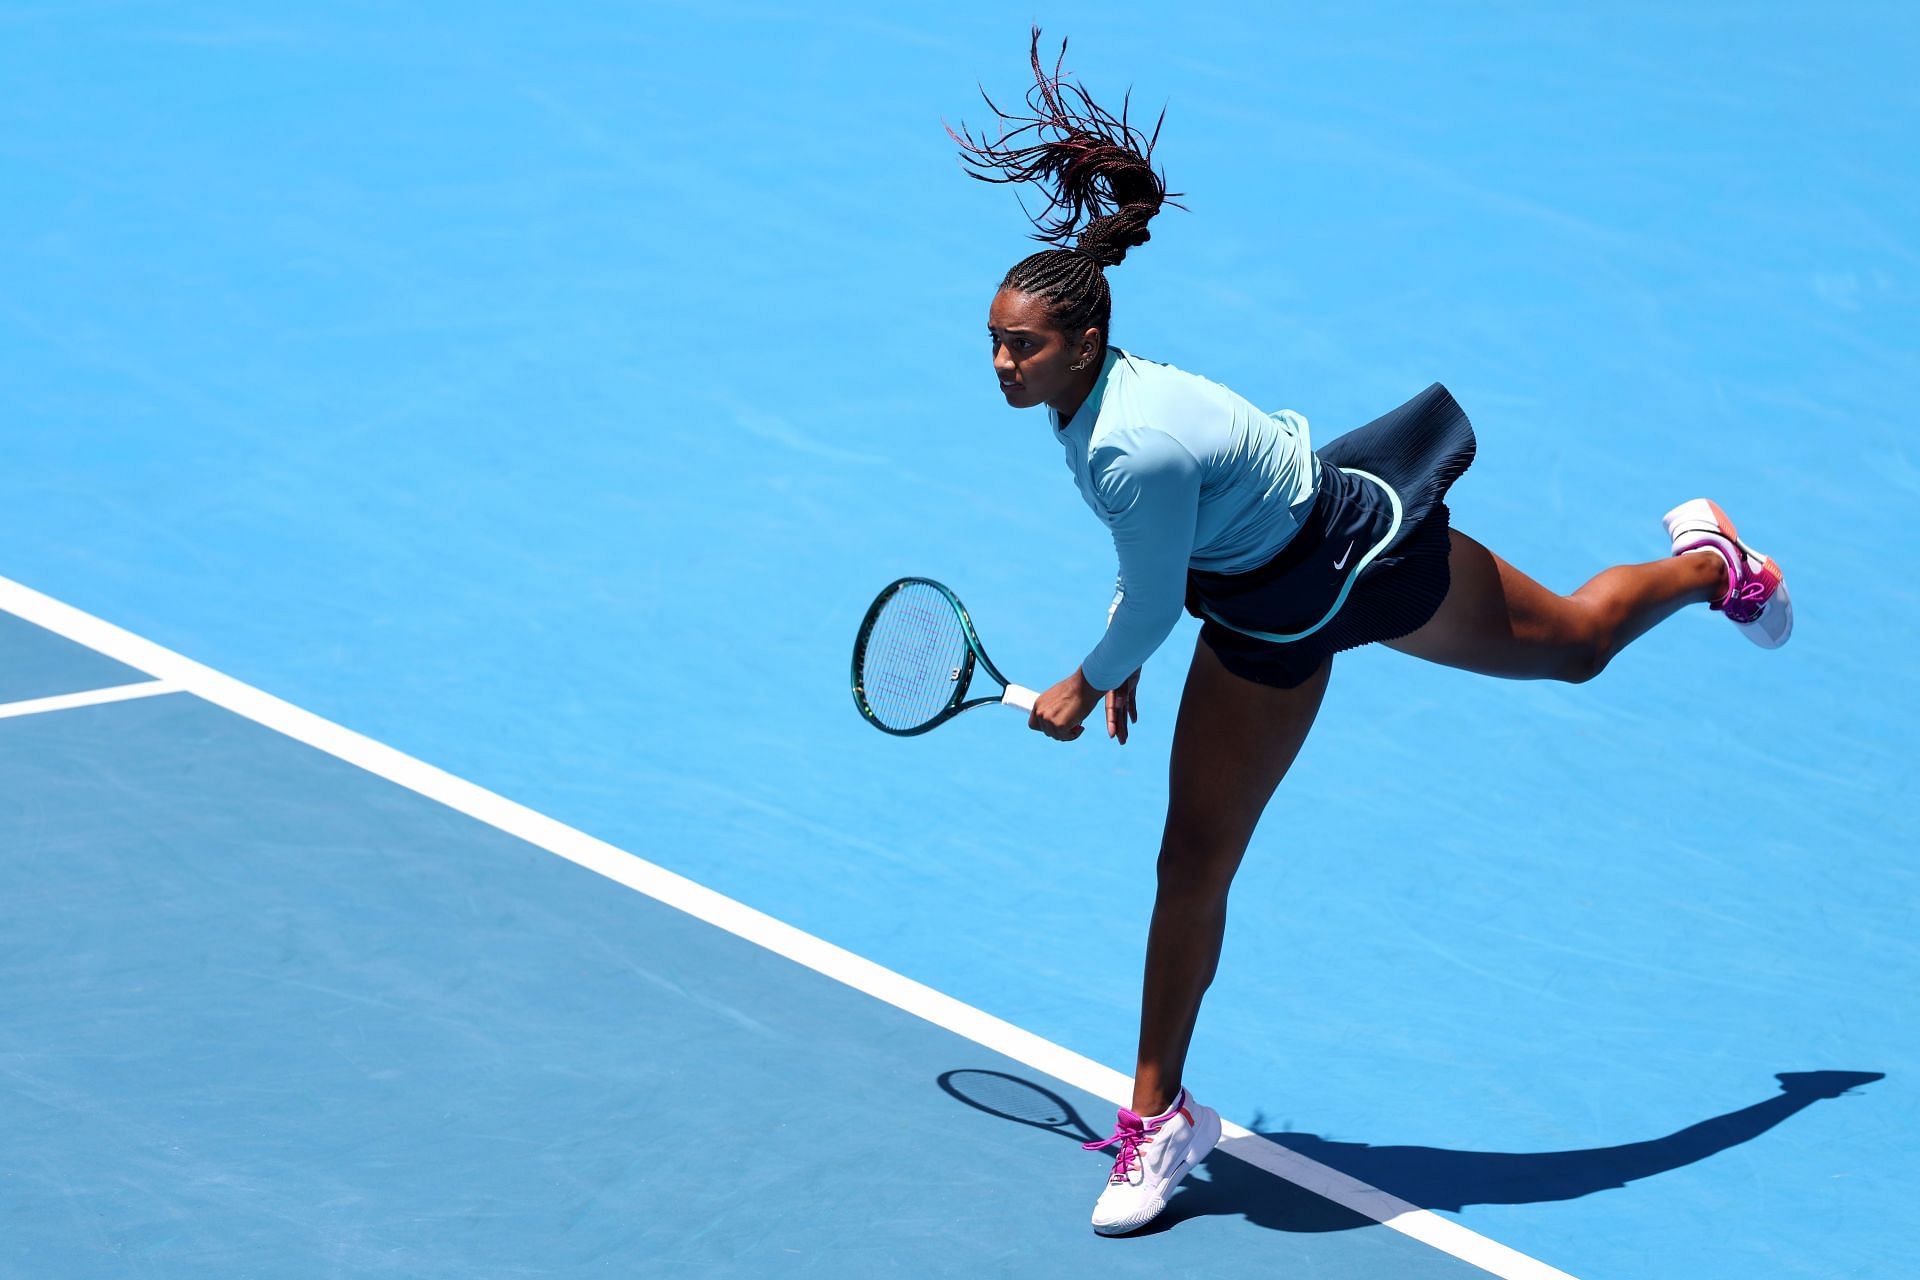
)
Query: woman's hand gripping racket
[{"x": 915, "y": 657}]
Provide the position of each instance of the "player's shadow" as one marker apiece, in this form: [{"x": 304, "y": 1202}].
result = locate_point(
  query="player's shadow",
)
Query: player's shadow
[{"x": 1429, "y": 1177}]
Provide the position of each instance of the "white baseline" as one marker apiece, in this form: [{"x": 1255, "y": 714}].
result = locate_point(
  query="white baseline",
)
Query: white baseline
[{"x": 757, "y": 927}]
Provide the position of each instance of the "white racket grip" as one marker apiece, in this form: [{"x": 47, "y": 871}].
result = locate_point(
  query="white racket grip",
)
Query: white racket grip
[{"x": 1020, "y": 696}]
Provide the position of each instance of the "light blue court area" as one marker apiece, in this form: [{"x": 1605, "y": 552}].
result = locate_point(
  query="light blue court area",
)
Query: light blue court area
[
  {"x": 263, "y": 1014},
  {"x": 546, "y": 395}
]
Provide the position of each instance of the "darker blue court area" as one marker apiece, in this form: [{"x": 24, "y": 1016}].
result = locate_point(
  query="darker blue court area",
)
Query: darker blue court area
[
  {"x": 36, "y": 664},
  {"x": 262, "y": 1014}
]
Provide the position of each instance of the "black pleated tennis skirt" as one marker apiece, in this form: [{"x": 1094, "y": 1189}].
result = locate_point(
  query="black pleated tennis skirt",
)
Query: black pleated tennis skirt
[{"x": 1368, "y": 563}]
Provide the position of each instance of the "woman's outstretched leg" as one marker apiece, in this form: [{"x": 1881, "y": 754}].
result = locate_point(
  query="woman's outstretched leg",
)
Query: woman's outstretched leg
[
  {"x": 1232, "y": 743},
  {"x": 1499, "y": 622}
]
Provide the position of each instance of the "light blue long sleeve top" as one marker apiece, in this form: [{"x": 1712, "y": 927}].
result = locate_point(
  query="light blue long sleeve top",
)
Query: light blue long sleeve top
[{"x": 1183, "y": 472}]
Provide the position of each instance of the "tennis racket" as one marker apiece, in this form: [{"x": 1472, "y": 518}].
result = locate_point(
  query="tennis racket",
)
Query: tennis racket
[{"x": 915, "y": 657}]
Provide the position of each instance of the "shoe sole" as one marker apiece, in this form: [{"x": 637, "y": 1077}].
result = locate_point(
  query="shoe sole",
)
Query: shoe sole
[
  {"x": 1774, "y": 627},
  {"x": 1206, "y": 1131}
]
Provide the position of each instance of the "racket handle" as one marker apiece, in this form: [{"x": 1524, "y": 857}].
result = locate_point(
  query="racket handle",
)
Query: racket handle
[{"x": 1020, "y": 696}]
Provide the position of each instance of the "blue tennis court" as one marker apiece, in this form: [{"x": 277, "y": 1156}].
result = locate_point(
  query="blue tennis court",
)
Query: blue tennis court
[{"x": 449, "y": 449}]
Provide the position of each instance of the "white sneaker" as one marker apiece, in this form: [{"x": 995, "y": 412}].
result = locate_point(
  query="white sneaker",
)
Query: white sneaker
[
  {"x": 1155, "y": 1153},
  {"x": 1756, "y": 600}
]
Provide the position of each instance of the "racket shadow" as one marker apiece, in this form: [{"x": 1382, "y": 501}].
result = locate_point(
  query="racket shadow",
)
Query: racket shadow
[{"x": 1009, "y": 1097}]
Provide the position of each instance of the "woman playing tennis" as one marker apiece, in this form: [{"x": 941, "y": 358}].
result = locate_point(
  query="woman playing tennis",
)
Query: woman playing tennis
[{"x": 1286, "y": 553}]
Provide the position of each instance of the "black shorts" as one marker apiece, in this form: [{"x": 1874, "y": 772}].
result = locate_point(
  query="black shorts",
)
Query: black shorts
[{"x": 1368, "y": 563}]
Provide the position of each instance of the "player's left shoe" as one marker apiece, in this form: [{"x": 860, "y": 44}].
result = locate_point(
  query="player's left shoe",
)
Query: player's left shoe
[
  {"x": 1155, "y": 1153},
  {"x": 1756, "y": 600}
]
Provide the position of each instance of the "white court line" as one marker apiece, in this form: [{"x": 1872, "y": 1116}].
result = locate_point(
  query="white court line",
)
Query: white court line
[
  {"x": 737, "y": 918},
  {"x": 87, "y": 698}
]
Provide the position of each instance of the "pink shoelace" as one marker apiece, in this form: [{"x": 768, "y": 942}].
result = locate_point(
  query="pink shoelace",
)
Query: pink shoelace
[
  {"x": 1747, "y": 592},
  {"x": 1743, "y": 603},
  {"x": 1132, "y": 1133}
]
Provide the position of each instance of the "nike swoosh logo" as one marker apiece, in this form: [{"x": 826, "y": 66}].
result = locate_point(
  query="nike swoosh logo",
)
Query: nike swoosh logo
[{"x": 1341, "y": 563}]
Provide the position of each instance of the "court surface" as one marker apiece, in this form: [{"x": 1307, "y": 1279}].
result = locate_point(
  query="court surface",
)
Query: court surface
[{"x": 490, "y": 428}]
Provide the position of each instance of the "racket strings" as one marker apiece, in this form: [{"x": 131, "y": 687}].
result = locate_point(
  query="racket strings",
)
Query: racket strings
[{"x": 915, "y": 651}]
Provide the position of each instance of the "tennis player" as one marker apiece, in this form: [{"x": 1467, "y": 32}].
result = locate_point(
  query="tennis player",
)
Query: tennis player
[{"x": 1286, "y": 553}]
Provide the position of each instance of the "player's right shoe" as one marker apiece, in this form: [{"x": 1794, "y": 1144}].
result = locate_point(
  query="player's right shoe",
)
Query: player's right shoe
[
  {"x": 1756, "y": 600},
  {"x": 1155, "y": 1153}
]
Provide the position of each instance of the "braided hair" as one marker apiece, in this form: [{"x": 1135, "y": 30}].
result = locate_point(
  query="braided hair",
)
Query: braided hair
[{"x": 1091, "y": 165}]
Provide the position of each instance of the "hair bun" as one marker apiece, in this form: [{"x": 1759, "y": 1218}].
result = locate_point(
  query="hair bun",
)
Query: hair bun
[{"x": 1107, "y": 239}]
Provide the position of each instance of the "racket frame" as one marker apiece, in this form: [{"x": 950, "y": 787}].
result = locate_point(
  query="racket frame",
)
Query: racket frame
[{"x": 1012, "y": 694}]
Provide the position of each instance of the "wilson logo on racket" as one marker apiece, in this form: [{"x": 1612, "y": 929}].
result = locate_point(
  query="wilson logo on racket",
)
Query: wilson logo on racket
[{"x": 915, "y": 657}]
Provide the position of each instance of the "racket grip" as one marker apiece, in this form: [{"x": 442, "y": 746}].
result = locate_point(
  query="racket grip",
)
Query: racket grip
[{"x": 1020, "y": 696}]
